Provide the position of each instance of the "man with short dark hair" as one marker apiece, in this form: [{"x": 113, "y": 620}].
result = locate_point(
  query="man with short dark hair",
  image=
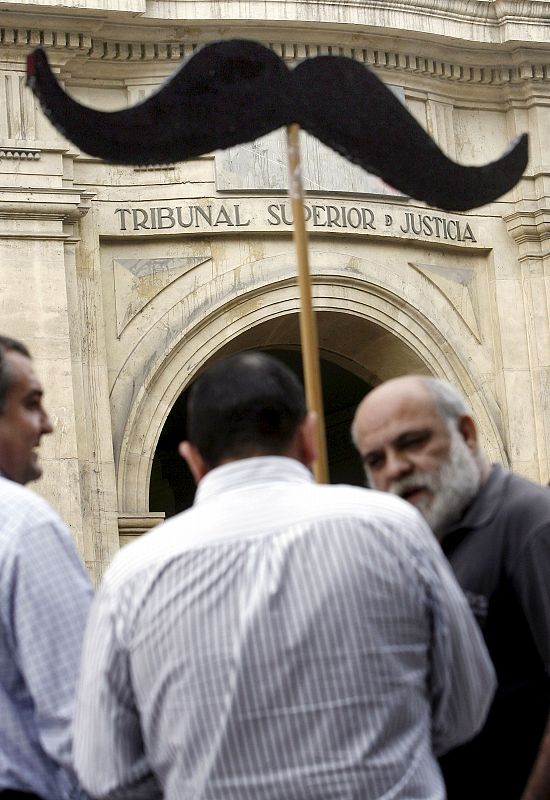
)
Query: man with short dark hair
[
  {"x": 280, "y": 639},
  {"x": 418, "y": 440},
  {"x": 45, "y": 596}
]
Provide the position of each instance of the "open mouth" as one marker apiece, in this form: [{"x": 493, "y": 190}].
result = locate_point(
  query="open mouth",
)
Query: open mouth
[{"x": 413, "y": 494}]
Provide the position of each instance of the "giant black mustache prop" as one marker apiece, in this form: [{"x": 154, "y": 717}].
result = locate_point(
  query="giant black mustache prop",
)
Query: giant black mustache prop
[{"x": 235, "y": 91}]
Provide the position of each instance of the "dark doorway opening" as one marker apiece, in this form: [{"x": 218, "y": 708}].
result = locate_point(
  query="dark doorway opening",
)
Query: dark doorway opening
[{"x": 172, "y": 488}]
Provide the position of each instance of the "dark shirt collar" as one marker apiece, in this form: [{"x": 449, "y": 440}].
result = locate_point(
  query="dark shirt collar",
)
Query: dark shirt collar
[{"x": 485, "y": 504}]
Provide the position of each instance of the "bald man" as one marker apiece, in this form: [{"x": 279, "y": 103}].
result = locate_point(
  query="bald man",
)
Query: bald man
[{"x": 417, "y": 439}]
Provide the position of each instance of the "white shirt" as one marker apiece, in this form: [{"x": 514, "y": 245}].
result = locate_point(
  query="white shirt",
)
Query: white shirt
[{"x": 280, "y": 640}]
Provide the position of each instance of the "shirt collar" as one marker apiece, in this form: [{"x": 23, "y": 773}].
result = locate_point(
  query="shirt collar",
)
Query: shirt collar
[{"x": 251, "y": 471}]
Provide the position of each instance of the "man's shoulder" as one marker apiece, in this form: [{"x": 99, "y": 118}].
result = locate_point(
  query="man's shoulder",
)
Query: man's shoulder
[
  {"x": 511, "y": 508},
  {"x": 148, "y": 551},
  {"x": 521, "y": 495},
  {"x": 198, "y": 528},
  {"x": 13, "y": 495},
  {"x": 22, "y": 508},
  {"x": 370, "y": 504}
]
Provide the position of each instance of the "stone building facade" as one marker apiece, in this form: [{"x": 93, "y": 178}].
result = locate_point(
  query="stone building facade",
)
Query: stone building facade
[{"x": 125, "y": 282}]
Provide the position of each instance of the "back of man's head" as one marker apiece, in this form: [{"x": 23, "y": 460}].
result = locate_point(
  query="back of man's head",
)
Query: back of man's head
[
  {"x": 246, "y": 405},
  {"x": 8, "y": 345}
]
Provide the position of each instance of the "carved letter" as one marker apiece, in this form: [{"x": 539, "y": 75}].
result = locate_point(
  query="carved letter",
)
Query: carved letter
[
  {"x": 316, "y": 212},
  {"x": 237, "y": 217},
  {"x": 206, "y": 215},
  {"x": 283, "y": 215},
  {"x": 165, "y": 214},
  {"x": 122, "y": 211},
  {"x": 223, "y": 218},
  {"x": 451, "y": 236},
  {"x": 468, "y": 234},
  {"x": 408, "y": 222},
  {"x": 140, "y": 223},
  {"x": 332, "y": 216},
  {"x": 368, "y": 219},
  {"x": 181, "y": 223},
  {"x": 419, "y": 231},
  {"x": 272, "y": 211},
  {"x": 355, "y": 211},
  {"x": 344, "y": 220},
  {"x": 427, "y": 221}
]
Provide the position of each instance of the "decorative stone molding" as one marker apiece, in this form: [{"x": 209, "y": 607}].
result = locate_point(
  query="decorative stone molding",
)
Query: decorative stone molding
[
  {"x": 382, "y": 59},
  {"x": 32, "y": 37},
  {"x": 130, "y": 526},
  {"x": 66, "y": 204},
  {"x": 485, "y": 21},
  {"x": 19, "y": 153},
  {"x": 529, "y": 227},
  {"x": 154, "y": 167},
  {"x": 503, "y": 73}
]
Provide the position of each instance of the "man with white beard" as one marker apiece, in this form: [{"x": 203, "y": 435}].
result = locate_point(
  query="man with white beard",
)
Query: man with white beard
[{"x": 417, "y": 440}]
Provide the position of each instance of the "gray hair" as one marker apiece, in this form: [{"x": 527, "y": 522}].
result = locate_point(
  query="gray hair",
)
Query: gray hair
[{"x": 448, "y": 401}]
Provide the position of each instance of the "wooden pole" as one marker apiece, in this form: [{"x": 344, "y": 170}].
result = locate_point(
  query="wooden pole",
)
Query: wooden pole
[{"x": 308, "y": 327}]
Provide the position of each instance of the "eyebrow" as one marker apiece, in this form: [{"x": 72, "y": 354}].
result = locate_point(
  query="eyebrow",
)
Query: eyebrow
[{"x": 420, "y": 434}]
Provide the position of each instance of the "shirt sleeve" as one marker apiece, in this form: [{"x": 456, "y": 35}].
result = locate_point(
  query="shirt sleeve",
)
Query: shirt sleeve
[
  {"x": 109, "y": 753},
  {"x": 462, "y": 679},
  {"x": 531, "y": 579},
  {"x": 49, "y": 602}
]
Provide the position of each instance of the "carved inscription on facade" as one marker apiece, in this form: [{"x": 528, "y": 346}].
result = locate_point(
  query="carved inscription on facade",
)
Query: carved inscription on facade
[
  {"x": 321, "y": 217},
  {"x": 191, "y": 216}
]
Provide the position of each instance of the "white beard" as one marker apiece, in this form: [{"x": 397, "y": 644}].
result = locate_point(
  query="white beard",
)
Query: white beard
[{"x": 450, "y": 490}]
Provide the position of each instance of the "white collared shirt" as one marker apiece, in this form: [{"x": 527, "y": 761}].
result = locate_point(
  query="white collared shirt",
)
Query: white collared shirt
[
  {"x": 279, "y": 640},
  {"x": 45, "y": 596}
]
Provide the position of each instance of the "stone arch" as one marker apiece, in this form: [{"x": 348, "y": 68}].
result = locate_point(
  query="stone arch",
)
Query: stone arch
[{"x": 429, "y": 340}]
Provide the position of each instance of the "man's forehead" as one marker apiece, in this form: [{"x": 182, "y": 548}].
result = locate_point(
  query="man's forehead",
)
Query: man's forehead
[
  {"x": 391, "y": 410},
  {"x": 24, "y": 379}
]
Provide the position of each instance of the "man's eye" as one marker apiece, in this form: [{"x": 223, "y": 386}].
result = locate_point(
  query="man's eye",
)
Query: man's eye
[
  {"x": 414, "y": 441},
  {"x": 373, "y": 461}
]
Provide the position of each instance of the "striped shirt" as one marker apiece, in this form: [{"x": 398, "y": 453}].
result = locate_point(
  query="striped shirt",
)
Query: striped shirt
[
  {"x": 45, "y": 596},
  {"x": 280, "y": 640}
]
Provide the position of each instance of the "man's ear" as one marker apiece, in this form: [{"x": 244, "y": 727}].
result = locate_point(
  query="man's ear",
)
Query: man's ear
[
  {"x": 195, "y": 461},
  {"x": 307, "y": 439},
  {"x": 468, "y": 431}
]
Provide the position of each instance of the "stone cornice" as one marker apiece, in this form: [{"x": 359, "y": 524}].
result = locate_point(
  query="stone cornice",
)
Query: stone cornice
[
  {"x": 19, "y": 153},
  {"x": 529, "y": 227},
  {"x": 64, "y": 204},
  {"x": 136, "y": 524},
  {"x": 486, "y": 21},
  {"x": 85, "y": 46}
]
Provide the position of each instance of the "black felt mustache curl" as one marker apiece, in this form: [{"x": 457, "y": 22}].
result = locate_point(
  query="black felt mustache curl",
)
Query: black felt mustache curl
[{"x": 235, "y": 91}]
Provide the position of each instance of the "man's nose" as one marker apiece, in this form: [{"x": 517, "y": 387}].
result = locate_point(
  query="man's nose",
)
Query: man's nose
[
  {"x": 397, "y": 466},
  {"x": 47, "y": 425}
]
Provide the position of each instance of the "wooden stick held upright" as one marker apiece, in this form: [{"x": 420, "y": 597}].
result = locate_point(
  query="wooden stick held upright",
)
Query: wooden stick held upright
[{"x": 308, "y": 326}]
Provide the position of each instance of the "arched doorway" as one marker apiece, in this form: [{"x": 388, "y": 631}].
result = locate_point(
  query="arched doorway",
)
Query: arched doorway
[
  {"x": 172, "y": 488},
  {"x": 374, "y": 335}
]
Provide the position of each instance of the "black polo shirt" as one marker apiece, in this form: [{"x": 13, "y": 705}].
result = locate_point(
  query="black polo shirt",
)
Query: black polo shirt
[{"x": 500, "y": 553}]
